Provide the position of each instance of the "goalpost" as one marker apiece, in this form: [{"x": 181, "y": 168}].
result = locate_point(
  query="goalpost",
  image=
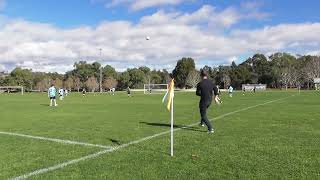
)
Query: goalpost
[
  {"x": 9, "y": 89},
  {"x": 254, "y": 87},
  {"x": 155, "y": 88}
]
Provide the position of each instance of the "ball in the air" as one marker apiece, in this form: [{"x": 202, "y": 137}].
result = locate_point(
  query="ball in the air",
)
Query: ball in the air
[{"x": 148, "y": 38}]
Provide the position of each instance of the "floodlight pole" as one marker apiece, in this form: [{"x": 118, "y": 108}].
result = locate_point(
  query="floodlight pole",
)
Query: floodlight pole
[
  {"x": 149, "y": 89},
  {"x": 100, "y": 79}
]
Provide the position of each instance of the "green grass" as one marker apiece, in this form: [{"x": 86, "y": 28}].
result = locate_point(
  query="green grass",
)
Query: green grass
[{"x": 279, "y": 140}]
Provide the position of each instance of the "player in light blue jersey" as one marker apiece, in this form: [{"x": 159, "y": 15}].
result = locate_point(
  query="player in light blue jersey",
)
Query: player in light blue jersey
[{"x": 52, "y": 95}]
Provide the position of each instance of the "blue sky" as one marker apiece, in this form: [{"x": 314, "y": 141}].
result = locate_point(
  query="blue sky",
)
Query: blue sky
[
  {"x": 213, "y": 25},
  {"x": 72, "y": 13}
]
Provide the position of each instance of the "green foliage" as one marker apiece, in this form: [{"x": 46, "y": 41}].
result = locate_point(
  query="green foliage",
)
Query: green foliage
[
  {"x": 277, "y": 71},
  {"x": 137, "y": 78},
  {"x": 181, "y": 71},
  {"x": 109, "y": 71},
  {"x": 20, "y": 77},
  {"x": 145, "y": 70},
  {"x": 124, "y": 80},
  {"x": 84, "y": 70}
]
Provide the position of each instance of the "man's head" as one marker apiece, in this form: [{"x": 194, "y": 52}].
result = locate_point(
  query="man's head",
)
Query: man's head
[
  {"x": 204, "y": 74},
  {"x": 52, "y": 85}
]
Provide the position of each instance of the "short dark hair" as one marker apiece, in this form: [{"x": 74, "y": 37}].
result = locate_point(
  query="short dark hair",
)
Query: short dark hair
[{"x": 204, "y": 73}]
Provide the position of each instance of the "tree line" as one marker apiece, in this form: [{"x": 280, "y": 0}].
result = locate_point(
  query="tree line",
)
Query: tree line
[{"x": 280, "y": 70}]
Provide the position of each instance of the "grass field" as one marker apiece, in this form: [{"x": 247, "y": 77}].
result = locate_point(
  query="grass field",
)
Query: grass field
[{"x": 269, "y": 135}]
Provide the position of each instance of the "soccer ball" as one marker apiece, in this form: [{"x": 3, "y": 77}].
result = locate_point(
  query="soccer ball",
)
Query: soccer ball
[{"x": 147, "y": 38}]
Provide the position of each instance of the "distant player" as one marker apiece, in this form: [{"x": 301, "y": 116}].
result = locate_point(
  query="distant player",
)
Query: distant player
[
  {"x": 205, "y": 89},
  {"x": 113, "y": 90},
  {"x": 217, "y": 97},
  {"x": 66, "y": 92},
  {"x": 52, "y": 95},
  {"x": 230, "y": 90},
  {"x": 84, "y": 92},
  {"x": 129, "y": 91},
  {"x": 61, "y": 94}
]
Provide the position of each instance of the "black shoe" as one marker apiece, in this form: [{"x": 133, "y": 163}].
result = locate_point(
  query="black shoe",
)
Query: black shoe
[
  {"x": 200, "y": 124},
  {"x": 211, "y": 131}
]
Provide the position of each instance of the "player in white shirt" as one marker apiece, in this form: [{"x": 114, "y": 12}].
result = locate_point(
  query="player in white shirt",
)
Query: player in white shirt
[
  {"x": 230, "y": 90},
  {"x": 217, "y": 97},
  {"x": 113, "y": 90},
  {"x": 61, "y": 91}
]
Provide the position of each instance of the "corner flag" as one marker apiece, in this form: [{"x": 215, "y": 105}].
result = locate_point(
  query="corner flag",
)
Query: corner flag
[{"x": 169, "y": 97}]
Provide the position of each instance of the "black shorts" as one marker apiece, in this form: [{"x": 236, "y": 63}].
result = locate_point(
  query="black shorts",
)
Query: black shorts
[{"x": 53, "y": 97}]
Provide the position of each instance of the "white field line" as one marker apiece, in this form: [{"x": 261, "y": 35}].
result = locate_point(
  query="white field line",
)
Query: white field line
[
  {"x": 55, "y": 140},
  {"x": 91, "y": 156}
]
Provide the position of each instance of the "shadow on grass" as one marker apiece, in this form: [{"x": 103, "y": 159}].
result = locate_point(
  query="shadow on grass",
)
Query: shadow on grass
[
  {"x": 174, "y": 126},
  {"x": 114, "y": 141}
]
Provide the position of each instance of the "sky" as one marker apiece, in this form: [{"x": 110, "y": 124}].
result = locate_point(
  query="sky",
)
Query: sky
[{"x": 51, "y": 35}]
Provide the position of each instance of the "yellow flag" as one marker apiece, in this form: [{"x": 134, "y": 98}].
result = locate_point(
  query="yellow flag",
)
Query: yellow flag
[{"x": 169, "y": 95}]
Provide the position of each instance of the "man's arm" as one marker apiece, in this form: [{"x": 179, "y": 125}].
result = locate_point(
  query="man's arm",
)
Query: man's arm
[{"x": 198, "y": 92}]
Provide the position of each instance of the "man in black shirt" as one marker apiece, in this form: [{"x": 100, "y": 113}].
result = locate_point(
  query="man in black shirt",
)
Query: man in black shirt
[{"x": 206, "y": 89}]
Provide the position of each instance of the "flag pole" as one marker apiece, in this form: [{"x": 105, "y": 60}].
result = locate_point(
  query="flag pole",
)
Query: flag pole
[{"x": 172, "y": 127}]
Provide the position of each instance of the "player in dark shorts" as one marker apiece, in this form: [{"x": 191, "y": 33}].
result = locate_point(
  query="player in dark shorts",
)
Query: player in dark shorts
[
  {"x": 52, "y": 91},
  {"x": 206, "y": 90},
  {"x": 84, "y": 92},
  {"x": 129, "y": 92}
]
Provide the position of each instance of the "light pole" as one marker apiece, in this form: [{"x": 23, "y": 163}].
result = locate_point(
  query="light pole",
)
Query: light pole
[{"x": 100, "y": 80}]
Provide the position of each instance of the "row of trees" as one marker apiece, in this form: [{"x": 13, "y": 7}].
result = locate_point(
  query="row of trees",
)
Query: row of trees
[{"x": 280, "y": 70}]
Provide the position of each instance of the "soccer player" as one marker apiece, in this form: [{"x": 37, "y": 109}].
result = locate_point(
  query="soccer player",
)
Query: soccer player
[
  {"x": 230, "y": 90},
  {"x": 52, "y": 95},
  {"x": 129, "y": 91},
  {"x": 206, "y": 89},
  {"x": 217, "y": 97},
  {"x": 61, "y": 91},
  {"x": 66, "y": 92},
  {"x": 84, "y": 92},
  {"x": 113, "y": 90}
]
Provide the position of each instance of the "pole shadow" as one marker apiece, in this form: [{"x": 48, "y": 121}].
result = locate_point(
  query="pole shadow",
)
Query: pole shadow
[{"x": 174, "y": 126}]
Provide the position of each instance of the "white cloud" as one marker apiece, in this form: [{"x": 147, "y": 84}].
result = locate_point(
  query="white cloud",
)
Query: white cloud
[
  {"x": 137, "y": 5},
  {"x": 281, "y": 36},
  {"x": 254, "y": 7},
  {"x": 314, "y": 53},
  {"x": 44, "y": 47}
]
